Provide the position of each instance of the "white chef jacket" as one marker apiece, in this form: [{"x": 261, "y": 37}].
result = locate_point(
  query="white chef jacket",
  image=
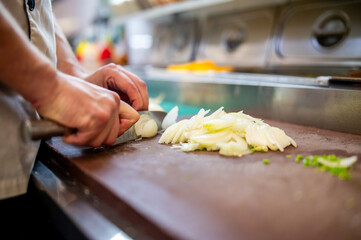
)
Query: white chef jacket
[{"x": 16, "y": 156}]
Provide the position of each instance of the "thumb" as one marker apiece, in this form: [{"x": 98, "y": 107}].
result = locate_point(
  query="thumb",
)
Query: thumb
[{"x": 127, "y": 117}]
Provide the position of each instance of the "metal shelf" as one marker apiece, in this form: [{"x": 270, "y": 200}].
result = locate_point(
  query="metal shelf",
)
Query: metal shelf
[
  {"x": 169, "y": 9},
  {"x": 194, "y": 5}
]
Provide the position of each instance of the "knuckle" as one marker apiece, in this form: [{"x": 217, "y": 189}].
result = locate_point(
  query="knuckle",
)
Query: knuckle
[
  {"x": 111, "y": 65},
  {"x": 142, "y": 84},
  {"x": 110, "y": 70},
  {"x": 114, "y": 105},
  {"x": 116, "y": 97},
  {"x": 102, "y": 117},
  {"x": 86, "y": 121},
  {"x": 110, "y": 102},
  {"x": 131, "y": 86}
]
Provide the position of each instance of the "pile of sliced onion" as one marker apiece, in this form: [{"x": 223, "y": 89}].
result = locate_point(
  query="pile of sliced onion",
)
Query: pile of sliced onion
[{"x": 232, "y": 134}]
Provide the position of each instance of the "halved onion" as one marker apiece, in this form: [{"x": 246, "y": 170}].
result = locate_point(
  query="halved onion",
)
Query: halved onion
[{"x": 146, "y": 126}]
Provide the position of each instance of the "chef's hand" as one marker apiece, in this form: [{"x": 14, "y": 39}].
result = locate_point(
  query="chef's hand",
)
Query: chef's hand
[
  {"x": 98, "y": 114},
  {"x": 130, "y": 88}
]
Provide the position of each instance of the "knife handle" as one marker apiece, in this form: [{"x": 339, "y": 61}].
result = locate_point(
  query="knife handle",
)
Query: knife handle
[{"x": 38, "y": 129}]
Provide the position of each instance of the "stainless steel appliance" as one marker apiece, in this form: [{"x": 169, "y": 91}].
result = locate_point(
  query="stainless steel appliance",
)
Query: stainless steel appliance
[{"x": 283, "y": 53}]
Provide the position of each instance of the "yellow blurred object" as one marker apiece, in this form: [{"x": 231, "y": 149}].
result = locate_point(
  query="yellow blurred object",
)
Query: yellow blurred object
[
  {"x": 80, "y": 49},
  {"x": 199, "y": 66},
  {"x": 88, "y": 55}
]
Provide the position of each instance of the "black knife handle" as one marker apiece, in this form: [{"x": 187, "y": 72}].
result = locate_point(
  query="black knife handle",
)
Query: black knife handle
[{"x": 38, "y": 129}]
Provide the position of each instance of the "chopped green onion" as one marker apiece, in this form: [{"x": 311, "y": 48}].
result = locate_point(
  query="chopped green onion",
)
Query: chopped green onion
[
  {"x": 288, "y": 156},
  {"x": 266, "y": 161},
  {"x": 339, "y": 167},
  {"x": 298, "y": 158}
]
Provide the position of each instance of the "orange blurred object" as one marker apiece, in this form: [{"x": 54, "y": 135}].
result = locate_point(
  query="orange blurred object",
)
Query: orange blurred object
[
  {"x": 199, "y": 66},
  {"x": 162, "y": 2}
]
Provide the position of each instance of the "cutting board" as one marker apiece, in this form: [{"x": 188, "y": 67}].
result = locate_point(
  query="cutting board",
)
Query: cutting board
[{"x": 202, "y": 195}]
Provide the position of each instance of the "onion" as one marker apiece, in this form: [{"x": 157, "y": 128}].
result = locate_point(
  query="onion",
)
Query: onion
[
  {"x": 146, "y": 126},
  {"x": 343, "y": 163},
  {"x": 233, "y": 149},
  {"x": 170, "y": 133},
  {"x": 170, "y": 118},
  {"x": 233, "y": 134},
  {"x": 154, "y": 103}
]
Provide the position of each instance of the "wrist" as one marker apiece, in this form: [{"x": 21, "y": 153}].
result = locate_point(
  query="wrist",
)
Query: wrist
[
  {"x": 73, "y": 69},
  {"x": 46, "y": 84}
]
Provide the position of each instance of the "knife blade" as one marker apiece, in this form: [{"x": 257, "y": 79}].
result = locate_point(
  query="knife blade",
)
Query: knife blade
[
  {"x": 130, "y": 134},
  {"x": 41, "y": 129}
]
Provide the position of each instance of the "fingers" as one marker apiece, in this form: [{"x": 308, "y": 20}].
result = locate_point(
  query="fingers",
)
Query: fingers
[
  {"x": 127, "y": 117},
  {"x": 121, "y": 82},
  {"x": 121, "y": 121},
  {"x": 97, "y": 113},
  {"x": 130, "y": 84},
  {"x": 103, "y": 126},
  {"x": 142, "y": 88},
  {"x": 116, "y": 78},
  {"x": 112, "y": 136},
  {"x": 96, "y": 136}
]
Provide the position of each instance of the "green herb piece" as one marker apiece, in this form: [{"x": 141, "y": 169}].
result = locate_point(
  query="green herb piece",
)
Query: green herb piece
[
  {"x": 336, "y": 166},
  {"x": 266, "y": 161},
  {"x": 288, "y": 156},
  {"x": 298, "y": 158}
]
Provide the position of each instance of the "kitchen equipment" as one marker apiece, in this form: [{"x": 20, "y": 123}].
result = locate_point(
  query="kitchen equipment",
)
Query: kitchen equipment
[
  {"x": 38, "y": 129},
  {"x": 240, "y": 39}
]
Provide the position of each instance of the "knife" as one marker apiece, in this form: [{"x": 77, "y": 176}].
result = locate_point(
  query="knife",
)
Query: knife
[{"x": 40, "y": 129}]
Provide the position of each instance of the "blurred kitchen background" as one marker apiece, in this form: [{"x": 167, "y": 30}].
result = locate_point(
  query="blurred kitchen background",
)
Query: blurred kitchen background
[
  {"x": 297, "y": 37},
  {"x": 97, "y": 30},
  {"x": 287, "y": 60}
]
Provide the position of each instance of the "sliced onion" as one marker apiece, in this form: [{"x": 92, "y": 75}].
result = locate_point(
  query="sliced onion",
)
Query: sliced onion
[
  {"x": 230, "y": 133},
  {"x": 210, "y": 140},
  {"x": 343, "y": 163},
  {"x": 169, "y": 134},
  {"x": 179, "y": 135},
  {"x": 170, "y": 118},
  {"x": 188, "y": 147},
  {"x": 233, "y": 149}
]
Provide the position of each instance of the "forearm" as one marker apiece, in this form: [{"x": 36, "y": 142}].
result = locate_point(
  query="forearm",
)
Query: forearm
[
  {"x": 22, "y": 66},
  {"x": 67, "y": 62},
  {"x": 97, "y": 113}
]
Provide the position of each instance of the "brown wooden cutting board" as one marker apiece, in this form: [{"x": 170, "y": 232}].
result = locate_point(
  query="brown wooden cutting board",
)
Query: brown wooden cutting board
[{"x": 202, "y": 195}]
